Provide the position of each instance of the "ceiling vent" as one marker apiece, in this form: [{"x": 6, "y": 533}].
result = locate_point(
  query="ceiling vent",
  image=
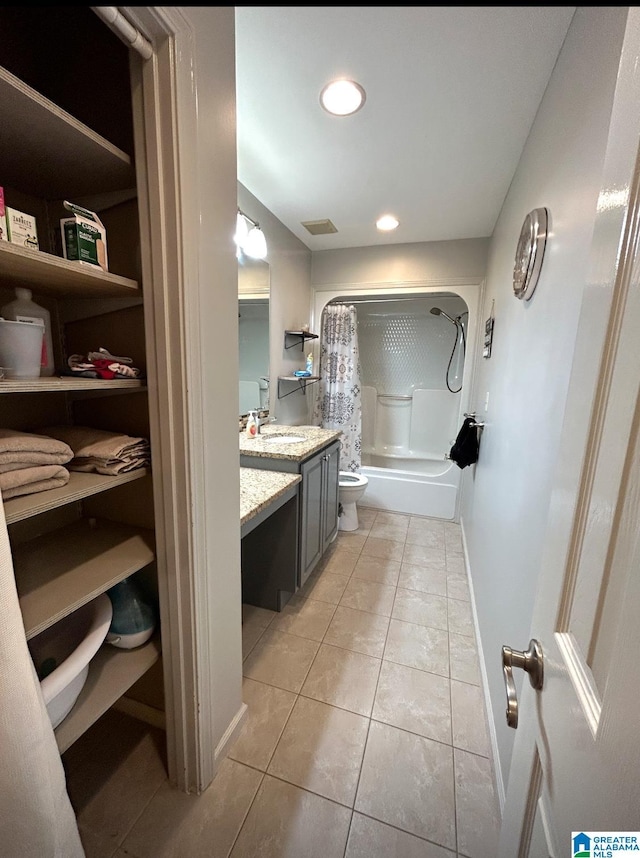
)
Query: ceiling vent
[{"x": 319, "y": 227}]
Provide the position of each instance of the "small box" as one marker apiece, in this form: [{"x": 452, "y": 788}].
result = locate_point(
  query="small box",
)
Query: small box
[
  {"x": 21, "y": 228},
  {"x": 84, "y": 238},
  {"x": 3, "y": 218}
]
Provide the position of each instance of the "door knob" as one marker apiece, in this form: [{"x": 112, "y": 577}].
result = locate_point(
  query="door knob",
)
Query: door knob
[{"x": 531, "y": 661}]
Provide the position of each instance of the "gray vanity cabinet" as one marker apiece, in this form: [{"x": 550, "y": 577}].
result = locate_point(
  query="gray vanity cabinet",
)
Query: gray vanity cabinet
[
  {"x": 319, "y": 507},
  {"x": 318, "y": 500}
]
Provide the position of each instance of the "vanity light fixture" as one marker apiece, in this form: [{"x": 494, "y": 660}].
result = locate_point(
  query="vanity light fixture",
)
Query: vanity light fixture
[
  {"x": 387, "y": 222},
  {"x": 249, "y": 241},
  {"x": 342, "y": 97}
]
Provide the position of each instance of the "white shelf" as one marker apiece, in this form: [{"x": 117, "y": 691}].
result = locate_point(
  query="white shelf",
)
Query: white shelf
[
  {"x": 80, "y": 486},
  {"x": 303, "y": 379},
  {"x": 111, "y": 673},
  {"x": 47, "y": 274},
  {"x": 46, "y": 152},
  {"x": 68, "y": 383},
  {"x": 59, "y": 572}
]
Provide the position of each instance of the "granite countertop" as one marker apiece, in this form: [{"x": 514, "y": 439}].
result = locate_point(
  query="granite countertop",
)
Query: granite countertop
[
  {"x": 260, "y": 488},
  {"x": 314, "y": 439}
]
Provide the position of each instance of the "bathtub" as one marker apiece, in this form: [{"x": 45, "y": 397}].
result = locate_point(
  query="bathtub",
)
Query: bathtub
[{"x": 414, "y": 485}]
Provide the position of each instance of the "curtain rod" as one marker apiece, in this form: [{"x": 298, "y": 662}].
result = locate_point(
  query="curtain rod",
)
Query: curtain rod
[
  {"x": 352, "y": 299},
  {"x": 131, "y": 36}
]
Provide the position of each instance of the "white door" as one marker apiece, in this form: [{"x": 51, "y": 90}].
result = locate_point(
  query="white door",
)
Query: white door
[{"x": 576, "y": 762}]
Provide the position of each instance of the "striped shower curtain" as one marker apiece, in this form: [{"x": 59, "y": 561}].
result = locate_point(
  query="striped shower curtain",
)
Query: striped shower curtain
[{"x": 338, "y": 402}]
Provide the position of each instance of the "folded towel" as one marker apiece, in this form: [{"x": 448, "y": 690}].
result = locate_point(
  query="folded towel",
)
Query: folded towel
[
  {"x": 26, "y": 481},
  {"x": 25, "y": 448},
  {"x": 101, "y": 451},
  {"x": 466, "y": 447}
]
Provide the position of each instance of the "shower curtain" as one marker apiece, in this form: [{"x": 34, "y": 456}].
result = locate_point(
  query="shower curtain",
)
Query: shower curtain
[
  {"x": 36, "y": 818},
  {"x": 338, "y": 402}
]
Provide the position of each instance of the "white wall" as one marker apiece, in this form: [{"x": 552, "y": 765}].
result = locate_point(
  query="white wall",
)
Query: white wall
[
  {"x": 290, "y": 297},
  {"x": 506, "y": 499}
]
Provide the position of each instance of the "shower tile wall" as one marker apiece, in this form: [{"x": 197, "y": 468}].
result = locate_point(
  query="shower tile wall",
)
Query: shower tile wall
[{"x": 404, "y": 349}]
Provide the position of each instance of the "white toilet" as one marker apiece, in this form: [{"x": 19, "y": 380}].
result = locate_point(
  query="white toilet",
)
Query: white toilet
[{"x": 351, "y": 488}]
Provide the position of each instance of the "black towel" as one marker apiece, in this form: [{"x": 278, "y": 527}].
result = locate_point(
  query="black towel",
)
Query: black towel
[{"x": 465, "y": 448}]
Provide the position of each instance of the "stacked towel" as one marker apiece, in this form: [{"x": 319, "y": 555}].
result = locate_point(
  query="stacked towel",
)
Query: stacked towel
[
  {"x": 31, "y": 463},
  {"x": 104, "y": 452}
]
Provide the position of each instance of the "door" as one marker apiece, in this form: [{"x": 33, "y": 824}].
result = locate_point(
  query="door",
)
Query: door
[
  {"x": 311, "y": 515},
  {"x": 576, "y": 762},
  {"x": 331, "y": 489}
]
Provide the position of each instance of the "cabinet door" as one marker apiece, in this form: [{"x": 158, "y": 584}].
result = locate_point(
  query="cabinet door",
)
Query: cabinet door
[
  {"x": 311, "y": 519},
  {"x": 331, "y": 488}
]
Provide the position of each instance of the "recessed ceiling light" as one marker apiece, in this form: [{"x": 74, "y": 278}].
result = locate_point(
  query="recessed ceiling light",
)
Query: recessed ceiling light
[
  {"x": 342, "y": 97},
  {"x": 387, "y": 222}
]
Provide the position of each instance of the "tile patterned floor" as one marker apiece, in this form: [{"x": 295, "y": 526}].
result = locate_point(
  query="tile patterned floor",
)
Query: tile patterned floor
[{"x": 365, "y": 736}]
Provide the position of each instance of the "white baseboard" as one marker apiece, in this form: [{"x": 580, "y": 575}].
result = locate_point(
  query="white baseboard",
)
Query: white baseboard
[
  {"x": 484, "y": 679},
  {"x": 230, "y": 735}
]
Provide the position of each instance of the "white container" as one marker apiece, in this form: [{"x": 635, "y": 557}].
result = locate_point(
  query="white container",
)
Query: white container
[
  {"x": 23, "y": 309},
  {"x": 20, "y": 349},
  {"x": 61, "y": 655},
  {"x": 253, "y": 425}
]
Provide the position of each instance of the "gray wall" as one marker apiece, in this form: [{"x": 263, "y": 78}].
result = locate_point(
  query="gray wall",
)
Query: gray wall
[{"x": 506, "y": 501}]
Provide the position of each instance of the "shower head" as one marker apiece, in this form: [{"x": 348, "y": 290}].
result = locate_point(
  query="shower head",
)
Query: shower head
[{"x": 436, "y": 311}]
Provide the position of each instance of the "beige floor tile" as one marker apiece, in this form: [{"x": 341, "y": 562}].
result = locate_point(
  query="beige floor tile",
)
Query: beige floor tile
[
  {"x": 455, "y": 564},
  {"x": 366, "y": 517},
  {"x": 252, "y": 614},
  {"x": 460, "y": 617},
  {"x": 407, "y": 782},
  {"x": 251, "y": 634},
  {"x": 425, "y": 609},
  {"x": 368, "y": 596},
  {"x": 377, "y": 569},
  {"x": 418, "y": 646},
  {"x": 428, "y": 537},
  {"x": 389, "y": 532},
  {"x": 476, "y": 806},
  {"x": 287, "y": 822},
  {"x": 386, "y": 548},
  {"x": 359, "y": 631},
  {"x": 468, "y": 719},
  {"x": 321, "y": 750},
  {"x": 350, "y": 541},
  {"x": 463, "y": 656},
  {"x": 307, "y": 618},
  {"x": 423, "y": 555},
  {"x": 423, "y": 578},
  {"x": 419, "y": 522},
  {"x": 453, "y": 541},
  {"x": 176, "y": 825},
  {"x": 118, "y": 777},
  {"x": 458, "y": 587},
  {"x": 369, "y": 838},
  {"x": 414, "y": 700},
  {"x": 280, "y": 659},
  {"x": 95, "y": 845},
  {"x": 343, "y": 678},
  {"x": 341, "y": 561},
  {"x": 268, "y": 710},
  {"x": 327, "y": 587},
  {"x": 396, "y": 519}
]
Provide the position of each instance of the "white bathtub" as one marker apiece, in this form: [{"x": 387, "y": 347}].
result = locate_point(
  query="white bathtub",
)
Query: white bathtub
[{"x": 414, "y": 485}]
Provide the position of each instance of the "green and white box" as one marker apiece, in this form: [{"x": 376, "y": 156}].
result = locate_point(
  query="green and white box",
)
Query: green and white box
[
  {"x": 21, "y": 228},
  {"x": 84, "y": 238}
]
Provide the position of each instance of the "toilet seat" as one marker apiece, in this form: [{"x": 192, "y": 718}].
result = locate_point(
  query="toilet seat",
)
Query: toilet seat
[{"x": 347, "y": 478}]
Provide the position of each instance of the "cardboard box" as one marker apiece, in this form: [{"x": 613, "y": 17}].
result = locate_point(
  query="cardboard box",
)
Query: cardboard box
[
  {"x": 21, "y": 228},
  {"x": 3, "y": 218},
  {"x": 84, "y": 238}
]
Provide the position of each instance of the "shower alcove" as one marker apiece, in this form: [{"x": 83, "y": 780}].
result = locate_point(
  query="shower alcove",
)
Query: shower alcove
[{"x": 416, "y": 356}]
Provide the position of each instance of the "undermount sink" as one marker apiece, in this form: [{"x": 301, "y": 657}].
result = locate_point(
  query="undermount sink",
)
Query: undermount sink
[{"x": 282, "y": 439}]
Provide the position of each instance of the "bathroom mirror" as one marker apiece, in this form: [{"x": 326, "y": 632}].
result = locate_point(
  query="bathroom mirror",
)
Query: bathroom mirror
[{"x": 253, "y": 330}]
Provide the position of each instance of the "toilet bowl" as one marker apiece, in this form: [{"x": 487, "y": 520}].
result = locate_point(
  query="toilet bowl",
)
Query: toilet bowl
[{"x": 351, "y": 488}]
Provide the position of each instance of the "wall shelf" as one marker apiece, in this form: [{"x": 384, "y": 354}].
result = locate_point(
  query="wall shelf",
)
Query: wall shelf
[
  {"x": 69, "y": 384},
  {"x": 303, "y": 381},
  {"x": 298, "y": 337}
]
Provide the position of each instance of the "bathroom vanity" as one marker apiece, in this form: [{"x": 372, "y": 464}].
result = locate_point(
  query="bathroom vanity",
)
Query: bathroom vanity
[
  {"x": 269, "y": 532},
  {"x": 314, "y": 455}
]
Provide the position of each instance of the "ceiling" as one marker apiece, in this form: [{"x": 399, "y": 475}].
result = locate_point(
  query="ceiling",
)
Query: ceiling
[{"x": 452, "y": 92}]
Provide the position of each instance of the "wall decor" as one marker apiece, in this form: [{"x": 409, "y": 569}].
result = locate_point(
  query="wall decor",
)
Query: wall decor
[{"x": 530, "y": 253}]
